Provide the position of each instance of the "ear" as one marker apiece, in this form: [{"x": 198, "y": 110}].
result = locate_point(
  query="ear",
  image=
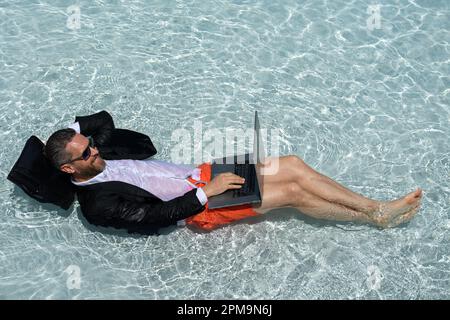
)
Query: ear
[{"x": 67, "y": 168}]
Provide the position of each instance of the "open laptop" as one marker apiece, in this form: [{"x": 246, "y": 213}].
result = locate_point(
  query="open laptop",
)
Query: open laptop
[{"x": 246, "y": 168}]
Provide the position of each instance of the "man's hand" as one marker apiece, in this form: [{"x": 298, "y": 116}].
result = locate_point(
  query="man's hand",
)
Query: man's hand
[{"x": 222, "y": 183}]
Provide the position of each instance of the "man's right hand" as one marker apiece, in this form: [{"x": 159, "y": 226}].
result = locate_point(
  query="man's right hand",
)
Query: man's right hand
[{"x": 222, "y": 183}]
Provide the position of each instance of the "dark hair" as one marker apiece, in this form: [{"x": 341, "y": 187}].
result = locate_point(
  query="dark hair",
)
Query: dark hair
[{"x": 55, "y": 148}]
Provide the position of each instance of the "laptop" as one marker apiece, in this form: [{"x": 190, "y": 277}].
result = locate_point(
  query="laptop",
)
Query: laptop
[{"x": 244, "y": 166}]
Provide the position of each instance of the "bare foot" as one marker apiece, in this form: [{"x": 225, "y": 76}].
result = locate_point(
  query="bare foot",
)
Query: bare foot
[
  {"x": 404, "y": 217},
  {"x": 390, "y": 210}
]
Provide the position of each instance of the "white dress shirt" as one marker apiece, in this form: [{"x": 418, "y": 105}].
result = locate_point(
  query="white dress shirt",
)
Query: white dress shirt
[{"x": 163, "y": 179}]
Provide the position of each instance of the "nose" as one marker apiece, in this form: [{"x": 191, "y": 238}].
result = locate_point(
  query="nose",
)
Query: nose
[{"x": 94, "y": 152}]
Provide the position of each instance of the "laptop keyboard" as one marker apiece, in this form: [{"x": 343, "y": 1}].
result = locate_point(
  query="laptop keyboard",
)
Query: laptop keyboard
[{"x": 246, "y": 171}]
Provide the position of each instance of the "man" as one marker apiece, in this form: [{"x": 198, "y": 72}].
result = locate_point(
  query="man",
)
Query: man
[{"x": 143, "y": 195}]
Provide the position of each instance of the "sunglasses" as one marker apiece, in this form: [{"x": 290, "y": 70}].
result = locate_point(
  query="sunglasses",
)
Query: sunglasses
[{"x": 86, "y": 153}]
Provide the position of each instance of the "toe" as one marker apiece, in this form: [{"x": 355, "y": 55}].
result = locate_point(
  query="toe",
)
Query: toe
[
  {"x": 418, "y": 193},
  {"x": 413, "y": 197}
]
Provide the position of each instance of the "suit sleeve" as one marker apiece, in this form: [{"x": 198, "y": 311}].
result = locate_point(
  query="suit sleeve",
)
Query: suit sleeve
[
  {"x": 130, "y": 214},
  {"x": 99, "y": 125}
]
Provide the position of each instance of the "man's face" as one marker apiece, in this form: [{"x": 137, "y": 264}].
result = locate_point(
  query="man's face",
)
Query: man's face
[{"x": 89, "y": 167}]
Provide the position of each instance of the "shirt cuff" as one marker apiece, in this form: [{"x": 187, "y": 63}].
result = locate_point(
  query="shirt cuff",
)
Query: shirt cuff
[
  {"x": 181, "y": 223},
  {"x": 201, "y": 196},
  {"x": 75, "y": 126},
  {"x": 196, "y": 173}
]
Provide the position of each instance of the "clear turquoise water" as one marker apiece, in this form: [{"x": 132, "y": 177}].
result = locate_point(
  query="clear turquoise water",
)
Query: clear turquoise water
[{"x": 369, "y": 108}]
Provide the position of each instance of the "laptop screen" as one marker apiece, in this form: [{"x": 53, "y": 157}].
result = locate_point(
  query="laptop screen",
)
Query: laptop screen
[{"x": 258, "y": 145}]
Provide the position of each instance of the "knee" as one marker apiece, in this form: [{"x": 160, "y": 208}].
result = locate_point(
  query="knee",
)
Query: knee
[
  {"x": 294, "y": 192},
  {"x": 293, "y": 188},
  {"x": 298, "y": 164},
  {"x": 295, "y": 161}
]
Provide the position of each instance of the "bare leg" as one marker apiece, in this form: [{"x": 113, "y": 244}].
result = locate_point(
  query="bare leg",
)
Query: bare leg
[
  {"x": 322, "y": 209},
  {"x": 292, "y": 195},
  {"x": 334, "y": 192},
  {"x": 292, "y": 168}
]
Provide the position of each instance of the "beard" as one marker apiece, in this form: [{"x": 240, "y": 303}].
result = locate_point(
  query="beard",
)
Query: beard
[
  {"x": 91, "y": 172},
  {"x": 94, "y": 169}
]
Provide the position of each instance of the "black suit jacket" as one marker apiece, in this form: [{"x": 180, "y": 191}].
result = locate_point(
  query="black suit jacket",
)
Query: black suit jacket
[{"x": 119, "y": 204}]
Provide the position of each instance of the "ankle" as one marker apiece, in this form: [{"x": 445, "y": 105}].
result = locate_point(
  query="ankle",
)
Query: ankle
[
  {"x": 375, "y": 207},
  {"x": 378, "y": 216}
]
